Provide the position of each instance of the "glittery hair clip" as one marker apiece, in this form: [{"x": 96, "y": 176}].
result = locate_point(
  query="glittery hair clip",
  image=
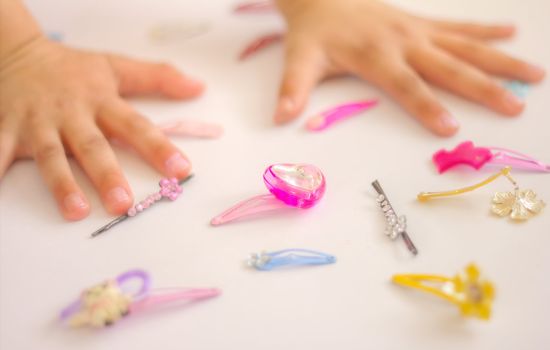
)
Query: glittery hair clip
[
  {"x": 191, "y": 128},
  {"x": 290, "y": 185},
  {"x": 255, "y": 7},
  {"x": 477, "y": 157},
  {"x": 472, "y": 295},
  {"x": 519, "y": 204},
  {"x": 395, "y": 226},
  {"x": 108, "y": 302},
  {"x": 265, "y": 261},
  {"x": 260, "y": 44},
  {"x": 169, "y": 188},
  {"x": 327, "y": 118}
]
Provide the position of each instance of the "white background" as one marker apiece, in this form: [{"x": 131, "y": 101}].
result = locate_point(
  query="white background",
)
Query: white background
[{"x": 45, "y": 261}]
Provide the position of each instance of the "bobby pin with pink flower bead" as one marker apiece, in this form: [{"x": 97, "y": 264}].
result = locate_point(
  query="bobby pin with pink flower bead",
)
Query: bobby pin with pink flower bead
[{"x": 169, "y": 188}]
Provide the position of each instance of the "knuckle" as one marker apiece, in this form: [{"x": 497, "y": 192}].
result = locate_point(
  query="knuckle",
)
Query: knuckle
[
  {"x": 91, "y": 144},
  {"x": 48, "y": 151},
  {"x": 404, "y": 83}
]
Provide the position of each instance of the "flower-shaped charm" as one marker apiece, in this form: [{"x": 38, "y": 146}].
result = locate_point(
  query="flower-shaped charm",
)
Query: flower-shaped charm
[
  {"x": 258, "y": 260},
  {"x": 519, "y": 204},
  {"x": 474, "y": 295},
  {"x": 170, "y": 188}
]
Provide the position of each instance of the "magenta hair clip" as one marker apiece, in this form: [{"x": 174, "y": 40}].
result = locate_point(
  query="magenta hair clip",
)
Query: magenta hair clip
[
  {"x": 477, "y": 157},
  {"x": 191, "y": 128},
  {"x": 108, "y": 302},
  {"x": 327, "y": 118},
  {"x": 255, "y": 7},
  {"x": 259, "y": 44},
  {"x": 169, "y": 188},
  {"x": 294, "y": 185}
]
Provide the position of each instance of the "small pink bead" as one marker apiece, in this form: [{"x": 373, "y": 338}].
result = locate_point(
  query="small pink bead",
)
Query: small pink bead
[
  {"x": 164, "y": 182},
  {"x": 144, "y": 204},
  {"x": 158, "y": 196},
  {"x": 139, "y": 207},
  {"x": 132, "y": 211}
]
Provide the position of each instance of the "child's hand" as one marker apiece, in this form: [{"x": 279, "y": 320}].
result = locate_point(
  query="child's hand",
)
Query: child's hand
[
  {"x": 398, "y": 52},
  {"x": 56, "y": 100}
]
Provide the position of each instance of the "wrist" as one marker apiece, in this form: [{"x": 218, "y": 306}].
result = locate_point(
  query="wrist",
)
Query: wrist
[{"x": 18, "y": 28}]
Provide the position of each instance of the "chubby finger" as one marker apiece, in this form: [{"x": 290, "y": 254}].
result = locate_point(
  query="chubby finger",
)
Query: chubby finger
[
  {"x": 303, "y": 70},
  {"x": 121, "y": 121},
  {"x": 94, "y": 154},
  {"x": 138, "y": 78},
  {"x": 489, "y": 59},
  {"x": 49, "y": 154},
  {"x": 450, "y": 73},
  {"x": 401, "y": 82},
  {"x": 474, "y": 30}
]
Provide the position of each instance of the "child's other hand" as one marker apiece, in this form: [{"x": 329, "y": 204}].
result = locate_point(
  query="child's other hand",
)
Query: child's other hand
[
  {"x": 398, "y": 52},
  {"x": 56, "y": 100}
]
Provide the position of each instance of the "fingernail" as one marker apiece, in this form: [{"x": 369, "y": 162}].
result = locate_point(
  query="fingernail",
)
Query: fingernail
[
  {"x": 536, "y": 72},
  {"x": 74, "y": 201},
  {"x": 511, "y": 102},
  {"x": 284, "y": 109},
  {"x": 447, "y": 122},
  {"x": 118, "y": 195},
  {"x": 177, "y": 165}
]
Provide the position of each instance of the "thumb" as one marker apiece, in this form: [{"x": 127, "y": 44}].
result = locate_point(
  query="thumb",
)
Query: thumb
[
  {"x": 139, "y": 78},
  {"x": 303, "y": 70}
]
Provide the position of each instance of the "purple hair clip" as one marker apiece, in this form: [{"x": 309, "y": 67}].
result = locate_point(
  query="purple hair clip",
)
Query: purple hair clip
[
  {"x": 108, "y": 302},
  {"x": 290, "y": 185},
  {"x": 477, "y": 157},
  {"x": 169, "y": 188}
]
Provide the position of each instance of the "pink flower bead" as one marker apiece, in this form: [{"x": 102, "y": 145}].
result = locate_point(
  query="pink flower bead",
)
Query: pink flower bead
[
  {"x": 139, "y": 207},
  {"x": 132, "y": 211}
]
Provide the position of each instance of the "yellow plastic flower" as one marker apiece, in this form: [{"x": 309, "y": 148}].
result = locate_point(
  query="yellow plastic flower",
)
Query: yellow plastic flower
[{"x": 473, "y": 295}]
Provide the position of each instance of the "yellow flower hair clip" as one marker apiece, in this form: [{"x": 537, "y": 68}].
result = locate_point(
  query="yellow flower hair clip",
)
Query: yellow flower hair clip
[
  {"x": 519, "y": 204},
  {"x": 467, "y": 290}
]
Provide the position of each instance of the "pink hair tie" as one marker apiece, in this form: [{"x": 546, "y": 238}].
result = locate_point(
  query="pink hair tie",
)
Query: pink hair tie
[
  {"x": 108, "y": 302},
  {"x": 294, "y": 185},
  {"x": 325, "y": 119},
  {"x": 191, "y": 128},
  {"x": 477, "y": 157}
]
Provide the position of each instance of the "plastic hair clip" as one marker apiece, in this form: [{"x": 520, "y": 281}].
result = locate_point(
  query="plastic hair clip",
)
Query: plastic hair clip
[
  {"x": 395, "y": 226},
  {"x": 108, "y": 302},
  {"x": 255, "y": 7},
  {"x": 327, "y": 118},
  {"x": 177, "y": 31},
  {"x": 467, "y": 290},
  {"x": 294, "y": 185},
  {"x": 518, "y": 88},
  {"x": 169, "y": 188},
  {"x": 519, "y": 204},
  {"x": 265, "y": 261},
  {"x": 477, "y": 157},
  {"x": 191, "y": 128},
  {"x": 260, "y": 44}
]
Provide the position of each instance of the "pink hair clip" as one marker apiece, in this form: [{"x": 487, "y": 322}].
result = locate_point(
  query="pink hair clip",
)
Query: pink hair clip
[
  {"x": 169, "y": 188},
  {"x": 259, "y": 44},
  {"x": 255, "y": 7},
  {"x": 294, "y": 185},
  {"x": 325, "y": 119},
  {"x": 108, "y": 302},
  {"x": 191, "y": 128},
  {"x": 477, "y": 157}
]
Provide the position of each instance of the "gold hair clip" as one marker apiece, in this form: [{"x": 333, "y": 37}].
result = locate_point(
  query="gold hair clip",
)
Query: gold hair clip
[
  {"x": 467, "y": 290},
  {"x": 519, "y": 204}
]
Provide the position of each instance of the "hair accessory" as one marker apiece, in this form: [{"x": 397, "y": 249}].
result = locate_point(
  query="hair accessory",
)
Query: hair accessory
[
  {"x": 177, "y": 31},
  {"x": 395, "y": 226},
  {"x": 294, "y": 185},
  {"x": 108, "y": 302},
  {"x": 325, "y": 119},
  {"x": 265, "y": 261},
  {"x": 477, "y": 157},
  {"x": 518, "y": 88},
  {"x": 191, "y": 128},
  {"x": 255, "y": 7},
  {"x": 467, "y": 290},
  {"x": 519, "y": 204},
  {"x": 169, "y": 188},
  {"x": 259, "y": 44}
]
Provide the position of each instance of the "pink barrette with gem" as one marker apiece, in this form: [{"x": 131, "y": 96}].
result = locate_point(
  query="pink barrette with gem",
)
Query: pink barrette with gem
[
  {"x": 325, "y": 119},
  {"x": 108, "y": 302},
  {"x": 477, "y": 157},
  {"x": 290, "y": 185},
  {"x": 169, "y": 188}
]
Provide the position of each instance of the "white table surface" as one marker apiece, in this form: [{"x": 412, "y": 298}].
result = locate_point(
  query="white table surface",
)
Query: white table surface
[{"x": 45, "y": 261}]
